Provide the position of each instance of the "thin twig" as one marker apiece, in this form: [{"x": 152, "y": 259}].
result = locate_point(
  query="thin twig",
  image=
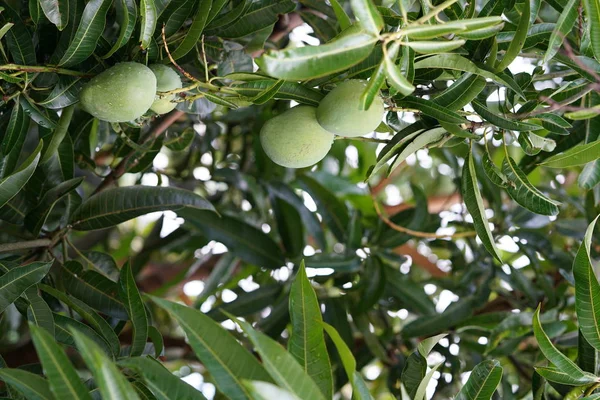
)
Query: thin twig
[
  {"x": 43, "y": 68},
  {"x": 184, "y": 72}
]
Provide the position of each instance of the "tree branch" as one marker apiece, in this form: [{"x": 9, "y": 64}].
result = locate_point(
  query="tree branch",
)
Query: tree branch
[
  {"x": 42, "y": 68},
  {"x": 31, "y": 244}
]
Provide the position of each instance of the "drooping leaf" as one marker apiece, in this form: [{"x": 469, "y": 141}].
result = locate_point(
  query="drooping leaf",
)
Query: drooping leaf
[
  {"x": 307, "y": 342},
  {"x": 370, "y": 19},
  {"x": 110, "y": 381},
  {"x": 256, "y": 16},
  {"x": 578, "y": 155},
  {"x": 474, "y": 202},
  {"x": 38, "y": 311},
  {"x": 226, "y": 360},
  {"x": 12, "y": 184},
  {"x": 127, "y": 15},
  {"x": 62, "y": 376},
  {"x": 88, "y": 32},
  {"x": 518, "y": 41},
  {"x": 563, "y": 27},
  {"x": 130, "y": 295},
  {"x": 266, "y": 391},
  {"x": 160, "y": 380},
  {"x": 148, "y": 22},
  {"x": 592, "y": 11},
  {"x": 57, "y": 12},
  {"x": 195, "y": 30},
  {"x": 555, "y": 375},
  {"x": 340, "y": 14},
  {"x": 501, "y": 122},
  {"x": 482, "y": 382},
  {"x": 113, "y": 206}
]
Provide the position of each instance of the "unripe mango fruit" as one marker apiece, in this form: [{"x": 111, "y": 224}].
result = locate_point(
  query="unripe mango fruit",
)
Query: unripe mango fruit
[
  {"x": 339, "y": 112},
  {"x": 295, "y": 139},
  {"x": 122, "y": 93},
  {"x": 166, "y": 80}
]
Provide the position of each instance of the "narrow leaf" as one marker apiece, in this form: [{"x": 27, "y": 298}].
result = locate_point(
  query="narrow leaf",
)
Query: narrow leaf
[
  {"x": 33, "y": 386},
  {"x": 367, "y": 14},
  {"x": 483, "y": 381},
  {"x": 12, "y": 184},
  {"x": 563, "y": 27},
  {"x": 17, "y": 280},
  {"x": 592, "y": 11},
  {"x": 515, "y": 46},
  {"x": 127, "y": 15},
  {"x": 578, "y": 155},
  {"x": 195, "y": 31},
  {"x": 130, "y": 295},
  {"x": 148, "y": 22},
  {"x": 57, "y": 12}
]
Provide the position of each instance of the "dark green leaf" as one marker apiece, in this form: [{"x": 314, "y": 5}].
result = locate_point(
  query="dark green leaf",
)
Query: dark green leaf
[
  {"x": 483, "y": 381},
  {"x": 564, "y": 25},
  {"x": 13, "y": 183},
  {"x": 195, "y": 30},
  {"x": 33, "y": 386},
  {"x": 17, "y": 280},
  {"x": 127, "y": 16},
  {"x": 501, "y": 122},
  {"x": 57, "y": 12},
  {"x": 592, "y": 11},
  {"x": 258, "y": 15},
  {"x": 518, "y": 41},
  {"x": 130, "y": 295},
  {"x": 577, "y": 155}
]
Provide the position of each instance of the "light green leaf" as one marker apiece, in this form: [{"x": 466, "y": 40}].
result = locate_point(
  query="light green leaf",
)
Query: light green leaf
[
  {"x": 564, "y": 25},
  {"x": 225, "y": 359},
  {"x": 483, "y": 381},
  {"x": 421, "y": 32},
  {"x": 195, "y": 31},
  {"x": 33, "y": 386},
  {"x": 57, "y": 12},
  {"x": 148, "y": 22},
  {"x": 160, "y": 380},
  {"x": 17, "y": 280},
  {"x": 110, "y": 381},
  {"x": 592, "y": 11},
  {"x": 302, "y": 63},
  {"x": 420, "y": 393},
  {"x": 267, "y": 391},
  {"x": 340, "y": 14},
  {"x": 432, "y": 110},
  {"x": 88, "y": 33},
  {"x": 515, "y": 46},
  {"x": 130, "y": 295},
  {"x": 421, "y": 141},
  {"x": 395, "y": 76},
  {"x": 562, "y": 362},
  {"x": 257, "y": 15},
  {"x": 307, "y": 342},
  {"x": 367, "y": 14},
  {"x": 587, "y": 290},
  {"x": 282, "y": 366},
  {"x": 434, "y": 47},
  {"x": 287, "y": 91},
  {"x": 127, "y": 15},
  {"x": 12, "y": 184},
  {"x": 524, "y": 193},
  {"x": 428, "y": 344},
  {"x": 62, "y": 376},
  {"x": 555, "y": 375},
  {"x": 113, "y": 206},
  {"x": 590, "y": 175},
  {"x": 578, "y": 155}
]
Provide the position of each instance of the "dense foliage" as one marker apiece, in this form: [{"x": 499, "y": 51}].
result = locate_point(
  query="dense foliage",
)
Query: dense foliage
[{"x": 449, "y": 254}]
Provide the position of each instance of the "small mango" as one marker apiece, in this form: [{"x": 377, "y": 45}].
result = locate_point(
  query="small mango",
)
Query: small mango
[{"x": 166, "y": 80}]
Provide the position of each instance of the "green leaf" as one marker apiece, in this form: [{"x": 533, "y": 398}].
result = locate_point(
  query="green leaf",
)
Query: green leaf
[
  {"x": 420, "y": 393},
  {"x": 474, "y": 202},
  {"x": 483, "y": 381},
  {"x": 587, "y": 290},
  {"x": 62, "y": 376},
  {"x": 93, "y": 289},
  {"x": 12, "y": 184},
  {"x": 435, "y": 47},
  {"x": 176, "y": 13},
  {"x": 57, "y": 12},
  {"x": 500, "y": 122},
  {"x": 87, "y": 313},
  {"x": 113, "y": 206},
  {"x": 267, "y": 391},
  {"x": 33, "y": 386},
  {"x": 493, "y": 172},
  {"x": 228, "y": 18},
  {"x": 515, "y": 46},
  {"x": 428, "y": 325},
  {"x": 225, "y": 359},
  {"x": 256, "y": 16},
  {"x": 36, "y": 218},
  {"x": 309, "y": 62},
  {"x": 19, "y": 41},
  {"x": 563, "y": 27},
  {"x": 63, "y": 332},
  {"x": 557, "y": 376},
  {"x": 281, "y": 365},
  {"x": 243, "y": 240},
  {"x": 396, "y": 78},
  {"x": 195, "y": 31},
  {"x": 459, "y": 63},
  {"x": 420, "y": 141},
  {"x": 592, "y": 11},
  {"x": 269, "y": 93},
  {"x": 562, "y": 362},
  {"x": 578, "y": 155},
  {"x": 88, "y": 33},
  {"x": 287, "y": 91},
  {"x": 432, "y": 31},
  {"x": 40, "y": 117},
  {"x": 127, "y": 16},
  {"x": 59, "y": 133},
  {"x": 340, "y": 14},
  {"x": 590, "y": 175},
  {"x": 38, "y": 311},
  {"x": 361, "y": 391},
  {"x": 413, "y": 373},
  {"x": 367, "y": 14},
  {"x": 376, "y": 81},
  {"x": 160, "y": 380},
  {"x": 524, "y": 193},
  {"x": 148, "y": 22},
  {"x": 428, "y": 344},
  {"x": 64, "y": 93},
  {"x": 307, "y": 342},
  {"x": 130, "y": 295},
  {"x": 432, "y": 110},
  {"x": 110, "y": 381},
  {"x": 17, "y": 280}
]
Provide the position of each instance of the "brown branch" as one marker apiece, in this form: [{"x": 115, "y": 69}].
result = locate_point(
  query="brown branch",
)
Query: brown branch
[
  {"x": 129, "y": 161},
  {"x": 420, "y": 260}
]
